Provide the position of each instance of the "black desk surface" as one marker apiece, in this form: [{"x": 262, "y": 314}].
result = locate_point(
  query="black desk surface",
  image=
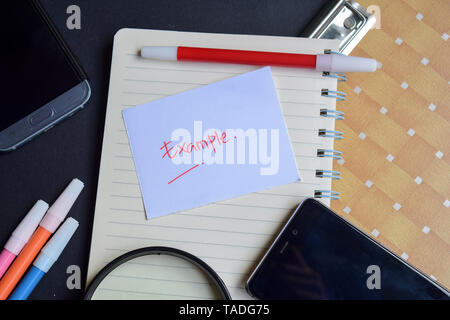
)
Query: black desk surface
[{"x": 42, "y": 168}]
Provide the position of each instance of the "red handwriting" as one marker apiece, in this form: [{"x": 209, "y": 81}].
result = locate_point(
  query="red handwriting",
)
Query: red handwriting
[
  {"x": 179, "y": 176},
  {"x": 210, "y": 143}
]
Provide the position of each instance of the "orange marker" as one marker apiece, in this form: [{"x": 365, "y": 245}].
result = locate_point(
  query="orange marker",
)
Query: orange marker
[{"x": 51, "y": 221}]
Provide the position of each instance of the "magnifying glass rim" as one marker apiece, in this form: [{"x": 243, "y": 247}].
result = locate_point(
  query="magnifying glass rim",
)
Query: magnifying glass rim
[{"x": 212, "y": 275}]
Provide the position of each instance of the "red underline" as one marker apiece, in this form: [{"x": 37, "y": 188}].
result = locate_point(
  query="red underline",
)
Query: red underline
[{"x": 183, "y": 173}]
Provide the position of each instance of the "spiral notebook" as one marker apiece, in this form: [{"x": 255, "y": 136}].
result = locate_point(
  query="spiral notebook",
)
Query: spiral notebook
[{"x": 232, "y": 235}]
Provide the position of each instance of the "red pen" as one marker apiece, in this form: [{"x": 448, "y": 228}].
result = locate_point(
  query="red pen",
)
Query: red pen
[{"x": 320, "y": 62}]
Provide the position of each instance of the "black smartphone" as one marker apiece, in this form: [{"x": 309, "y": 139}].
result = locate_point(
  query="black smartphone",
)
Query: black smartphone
[
  {"x": 319, "y": 255},
  {"x": 41, "y": 81}
]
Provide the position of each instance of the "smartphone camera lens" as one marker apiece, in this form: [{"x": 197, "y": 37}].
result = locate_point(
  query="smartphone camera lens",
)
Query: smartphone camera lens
[{"x": 294, "y": 232}]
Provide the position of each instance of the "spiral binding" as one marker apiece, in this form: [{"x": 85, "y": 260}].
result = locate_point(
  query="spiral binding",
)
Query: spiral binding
[
  {"x": 335, "y": 175},
  {"x": 338, "y": 95},
  {"x": 333, "y": 195},
  {"x": 341, "y": 77},
  {"x": 333, "y": 134},
  {"x": 336, "y": 135},
  {"x": 329, "y": 113},
  {"x": 329, "y": 153}
]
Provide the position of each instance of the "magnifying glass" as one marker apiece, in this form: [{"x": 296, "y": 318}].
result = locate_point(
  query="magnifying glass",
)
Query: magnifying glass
[{"x": 157, "y": 273}]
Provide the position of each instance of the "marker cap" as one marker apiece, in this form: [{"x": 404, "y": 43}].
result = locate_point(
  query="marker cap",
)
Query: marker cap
[
  {"x": 52, "y": 250},
  {"x": 343, "y": 63},
  {"x": 26, "y": 227},
  {"x": 59, "y": 210},
  {"x": 159, "y": 53}
]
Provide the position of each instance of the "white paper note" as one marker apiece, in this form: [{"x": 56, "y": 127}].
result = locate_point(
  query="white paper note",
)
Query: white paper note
[{"x": 212, "y": 143}]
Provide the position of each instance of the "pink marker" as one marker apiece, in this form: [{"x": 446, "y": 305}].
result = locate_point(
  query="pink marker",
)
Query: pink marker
[{"x": 21, "y": 235}]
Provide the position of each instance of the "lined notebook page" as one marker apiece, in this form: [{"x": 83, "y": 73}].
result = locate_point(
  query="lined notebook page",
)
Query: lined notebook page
[{"x": 232, "y": 235}]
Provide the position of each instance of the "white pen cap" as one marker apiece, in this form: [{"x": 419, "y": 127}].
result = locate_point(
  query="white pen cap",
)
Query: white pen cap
[
  {"x": 59, "y": 210},
  {"x": 159, "y": 53},
  {"x": 26, "y": 227},
  {"x": 343, "y": 63},
  {"x": 52, "y": 250}
]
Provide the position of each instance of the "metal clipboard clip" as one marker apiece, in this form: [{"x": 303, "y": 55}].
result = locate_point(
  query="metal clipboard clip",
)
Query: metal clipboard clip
[{"x": 344, "y": 20}]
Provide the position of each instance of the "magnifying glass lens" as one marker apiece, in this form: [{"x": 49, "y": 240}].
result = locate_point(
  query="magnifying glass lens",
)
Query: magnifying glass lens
[{"x": 156, "y": 276}]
